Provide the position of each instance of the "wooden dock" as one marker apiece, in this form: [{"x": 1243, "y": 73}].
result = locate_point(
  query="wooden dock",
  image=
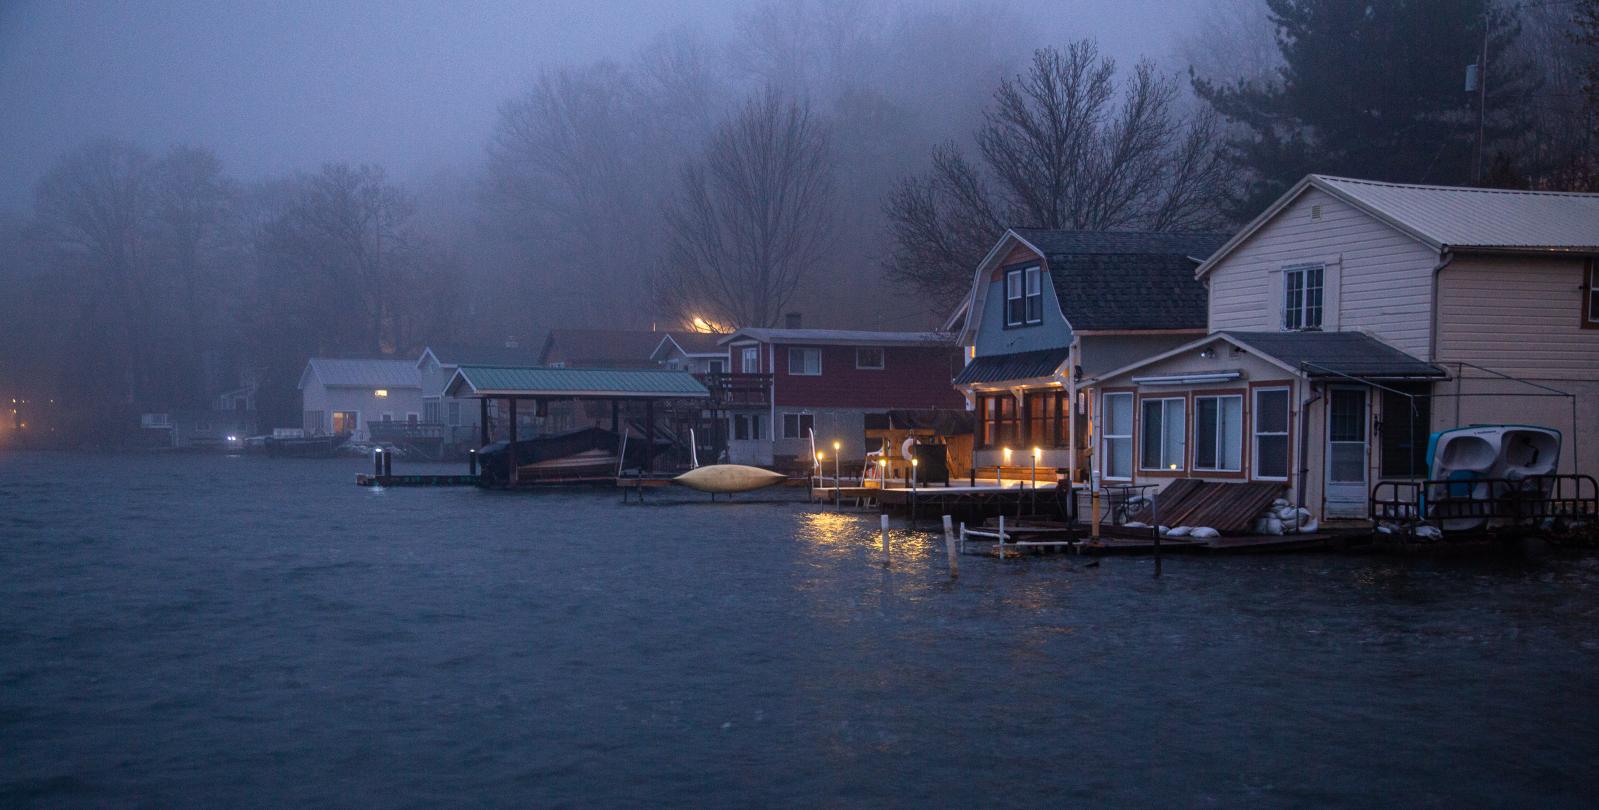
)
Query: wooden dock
[{"x": 368, "y": 480}]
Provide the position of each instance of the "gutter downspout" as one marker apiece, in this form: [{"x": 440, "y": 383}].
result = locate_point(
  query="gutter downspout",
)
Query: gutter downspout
[
  {"x": 1304, "y": 444},
  {"x": 1445, "y": 256}
]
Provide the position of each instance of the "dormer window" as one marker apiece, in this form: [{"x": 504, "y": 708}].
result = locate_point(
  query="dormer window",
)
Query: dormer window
[
  {"x": 1024, "y": 297},
  {"x": 1302, "y": 285}
]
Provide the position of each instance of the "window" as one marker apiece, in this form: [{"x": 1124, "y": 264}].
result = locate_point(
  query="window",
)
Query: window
[
  {"x": 430, "y": 410},
  {"x": 1302, "y": 297},
  {"x": 453, "y": 412},
  {"x": 747, "y": 427},
  {"x": 998, "y": 415},
  {"x": 869, "y": 357},
  {"x": 1270, "y": 424},
  {"x": 386, "y": 416},
  {"x": 412, "y": 418},
  {"x": 1406, "y": 422},
  {"x": 1219, "y": 433},
  {"x": 798, "y": 425},
  {"x": 1118, "y": 437},
  {"x": 1043, "y": 418},
  {"x": 1163, "y": 445},
  {"x": 715, "y": 366},
  {"x": 1590, "y": 302},
  {"x": 750, "y": 360},
  {"x": 1024, "y": 296},
  {"x": 345, "y": 422},
  {"x": 805, "y": 362}
]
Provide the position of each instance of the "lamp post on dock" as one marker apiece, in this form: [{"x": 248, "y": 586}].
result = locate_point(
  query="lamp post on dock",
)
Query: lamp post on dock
[
  {"x": 1037, "y": 454},
  {"x": 837, "y": 483},
  {"x": 1000, "y": 474}
]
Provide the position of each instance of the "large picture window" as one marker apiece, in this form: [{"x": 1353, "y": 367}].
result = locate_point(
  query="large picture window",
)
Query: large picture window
[
  {"x": 1302, "y": 287},
  {"x": 999, "y": 423},
  {"x": 1269, "y": 421},
  {"x": 798, "y": 425},
  {"x": 869, "y": 357},
  {"x": 805, "y": 362},
  {"x": 1044, "y": 424},
  {"x": 1024, "y": 296},
  {"x": 747, "y": 427},
  {"x": 1219, "y": 433},
  {"x": 1163, "y": 445},
  {"x": 1118, "y": 436}
]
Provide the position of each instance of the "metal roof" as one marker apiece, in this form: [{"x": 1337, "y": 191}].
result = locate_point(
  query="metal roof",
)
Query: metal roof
[
  {"x": 342, "y": 373},
  {"x": 1052, "y": 242},
  {"x": 508, "y": 381},
  {"x": 1486, "y": 218},
  {"x": 995, "y": 368},
  {"x": 842, "y": 337},
  {"x": 1453, "y": 218},
  {"x": 1336, "y": 354}
]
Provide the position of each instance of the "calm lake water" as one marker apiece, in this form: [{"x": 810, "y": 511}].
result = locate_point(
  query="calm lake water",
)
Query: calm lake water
[{"x": 218, "y": 632}]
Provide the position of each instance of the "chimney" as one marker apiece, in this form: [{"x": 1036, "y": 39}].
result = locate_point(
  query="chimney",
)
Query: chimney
[{"x": 791, "y": 320}]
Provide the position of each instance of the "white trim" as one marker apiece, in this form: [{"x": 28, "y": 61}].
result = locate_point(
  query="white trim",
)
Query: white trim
[
  {"x": 1188, "y": 347},
  {"x": 1198, "y": 378},
  {"x": 782, "y": 427},
  {"x": 1182, "y": 465},
  {"x": 790, "y": 355},
  {"x": 1255, "y": 434},
  {"x": 1106, "y": 436}
]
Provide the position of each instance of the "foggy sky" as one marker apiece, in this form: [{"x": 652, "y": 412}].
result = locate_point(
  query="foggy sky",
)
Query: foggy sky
[{"x": 288, "y": 85}]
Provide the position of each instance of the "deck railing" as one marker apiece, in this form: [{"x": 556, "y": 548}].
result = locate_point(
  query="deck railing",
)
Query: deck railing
[
  {"x": 1522, "y": 500},
  {"x": 729, "y": 389}
]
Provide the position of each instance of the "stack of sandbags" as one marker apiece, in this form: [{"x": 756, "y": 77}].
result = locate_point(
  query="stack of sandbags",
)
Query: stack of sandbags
[{"x": 1283, "y": 517}]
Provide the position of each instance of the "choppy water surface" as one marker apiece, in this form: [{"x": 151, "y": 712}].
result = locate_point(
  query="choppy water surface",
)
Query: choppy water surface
[{"x": 213, "y": 632}]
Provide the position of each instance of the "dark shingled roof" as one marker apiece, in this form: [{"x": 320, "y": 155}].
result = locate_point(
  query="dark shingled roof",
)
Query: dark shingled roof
[
  {"x": 1018, "y": 366},
  {"x": 454, "y": 355},
  {"x": 1332, "y": 354},
  {"x": 698, "y": 342},
  {"x": 600, "y": 348},
  {"x": 1125, "y": 279}
]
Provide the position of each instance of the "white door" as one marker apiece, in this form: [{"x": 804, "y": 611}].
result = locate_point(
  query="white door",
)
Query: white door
[{"x": 1347, "y": 453}]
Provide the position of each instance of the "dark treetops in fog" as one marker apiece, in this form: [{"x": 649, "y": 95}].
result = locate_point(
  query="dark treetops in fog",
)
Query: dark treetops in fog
[{"x": 850, "y": 159}]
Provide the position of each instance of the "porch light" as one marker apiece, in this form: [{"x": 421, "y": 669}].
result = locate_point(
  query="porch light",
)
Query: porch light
[
  {"x": 1038, "y": 453},
  {"x": 381, "y": 393},
  {"x": 818, "y": 457},
  {"x": 836, "y": 445},
  {"x": 1007, "y": 455}
]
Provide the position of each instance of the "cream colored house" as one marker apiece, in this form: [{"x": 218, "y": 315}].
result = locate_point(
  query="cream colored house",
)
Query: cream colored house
[{"x": 1384, "y": 312}]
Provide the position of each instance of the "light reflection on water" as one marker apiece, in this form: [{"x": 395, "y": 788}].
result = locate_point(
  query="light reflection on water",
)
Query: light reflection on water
[{"x": 247, "y": 631}]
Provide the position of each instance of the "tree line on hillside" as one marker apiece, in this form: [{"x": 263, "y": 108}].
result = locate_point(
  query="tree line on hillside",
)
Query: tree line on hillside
[{"x": 850, "y": 160}]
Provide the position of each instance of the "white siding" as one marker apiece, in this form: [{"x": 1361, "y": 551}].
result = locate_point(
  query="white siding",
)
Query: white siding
[{"x": 1378, "y": 280}]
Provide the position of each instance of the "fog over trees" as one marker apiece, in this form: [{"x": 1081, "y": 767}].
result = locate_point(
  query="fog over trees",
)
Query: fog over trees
[{"x": 848, "y": 159}]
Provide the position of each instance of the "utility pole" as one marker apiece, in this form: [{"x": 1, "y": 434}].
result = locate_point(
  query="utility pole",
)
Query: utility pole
[{"x": 1482, "y": 92}]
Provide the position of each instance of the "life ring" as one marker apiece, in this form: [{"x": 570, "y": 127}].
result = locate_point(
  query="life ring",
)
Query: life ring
[{"x": 907, "y": 448}]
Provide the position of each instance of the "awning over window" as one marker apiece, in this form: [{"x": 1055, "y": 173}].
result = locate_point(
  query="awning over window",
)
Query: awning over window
[{"x": 998, "y": 368}]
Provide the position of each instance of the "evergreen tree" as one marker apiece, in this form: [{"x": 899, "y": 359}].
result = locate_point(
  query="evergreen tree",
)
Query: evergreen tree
[{"x": 1375, "y": 90}]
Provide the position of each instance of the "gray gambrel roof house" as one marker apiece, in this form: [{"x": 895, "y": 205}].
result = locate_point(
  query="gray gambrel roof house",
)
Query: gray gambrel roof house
[{"x": 1124, "y": 280}]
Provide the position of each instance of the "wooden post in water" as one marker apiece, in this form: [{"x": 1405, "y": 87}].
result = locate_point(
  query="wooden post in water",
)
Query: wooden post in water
[
  {"x": 471, "y": 462},
  {"x": 949, "y": 548},
  {"x": 1154, "y": 515},
  {"x": 377, "y": 462},
  {"x": 511, "y": 475},
  {"x": 1002, "y": 535},
  {"x": 884, "y": 520}
]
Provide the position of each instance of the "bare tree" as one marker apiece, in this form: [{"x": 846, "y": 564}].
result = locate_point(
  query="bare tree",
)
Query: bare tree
[
  {"x": 752, "y": 217},
  {"x": 94, "y": 207},
  {"x": 1060, "y": 149}
]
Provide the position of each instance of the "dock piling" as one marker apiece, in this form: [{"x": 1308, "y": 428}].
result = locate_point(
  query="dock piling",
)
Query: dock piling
[
  {"x": 471, "y": 462},
  {"x": 1002, "y": 536},
  {"x": 949, "y": 548},
  {"x": 377, "y": 462},
  {"x": 884, "y": 520}
]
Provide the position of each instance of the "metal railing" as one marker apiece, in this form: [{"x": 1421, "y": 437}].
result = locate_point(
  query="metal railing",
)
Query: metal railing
[
  {"x": 1522, "y": 501},
  {"x": 738, "y": 389}
]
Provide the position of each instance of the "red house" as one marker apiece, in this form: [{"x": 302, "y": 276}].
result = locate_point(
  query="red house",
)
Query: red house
[{"x": 829, "y": 380}]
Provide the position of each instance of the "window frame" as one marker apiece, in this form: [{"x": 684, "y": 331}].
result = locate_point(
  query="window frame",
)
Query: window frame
[
  {"x": 991, "y": 432},
  {"x": 803, "y": 350},
  {"x": 1105, "y": 472},
  {"x": 1182, "y": 454},
  {"x": 1296, "y": 318},
  {"x": 1243, "y": 434},
  {"x": 799, "y": 422},
  {"x": 882, "y": 358},
  {"x": 452, "y": 413},
  {"x": 1590, "y": 294},
  {"x": 1024, "y": 296},
  {"x": 1255, "y": 433},
  {"x": 749, "y": 360}
]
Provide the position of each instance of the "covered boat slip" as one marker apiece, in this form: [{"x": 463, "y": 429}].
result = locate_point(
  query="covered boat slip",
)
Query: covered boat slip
[{"x": 677, "y": 395}]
